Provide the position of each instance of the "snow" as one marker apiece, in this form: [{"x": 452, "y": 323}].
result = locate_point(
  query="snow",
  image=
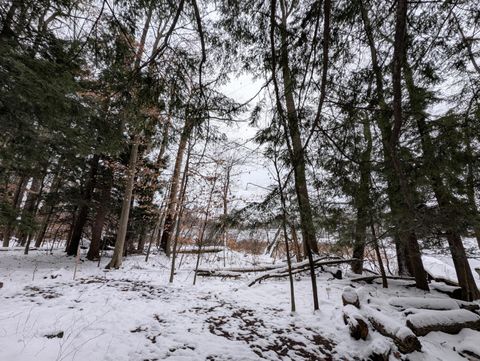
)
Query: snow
[
  {"x": 391, "y": 326},
  {"x": 439, "y": 269},
  {"x": 349, "y": 295},
  {"x": 426, "y": 302},
  {"x": 134, "y": 314},
  {"x": 470, "y": 345},
  {"x": 428, "y": 318}
]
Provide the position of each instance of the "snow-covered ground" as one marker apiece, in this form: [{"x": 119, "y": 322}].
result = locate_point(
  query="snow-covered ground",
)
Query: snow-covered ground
[{"x": 135, "y": 314}]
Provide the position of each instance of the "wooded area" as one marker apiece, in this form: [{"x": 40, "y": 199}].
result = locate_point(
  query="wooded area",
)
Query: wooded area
[{"x": 121, "y": 135}]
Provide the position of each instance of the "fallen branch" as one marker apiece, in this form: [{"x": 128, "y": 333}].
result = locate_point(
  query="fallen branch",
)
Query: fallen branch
[{"x": 299, "y": 268}]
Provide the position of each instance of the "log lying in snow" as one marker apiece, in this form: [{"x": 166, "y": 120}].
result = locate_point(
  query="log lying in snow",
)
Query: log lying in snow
[
  {"x": 471, "y": 306},
  {"x": 469, "y": 348},
  {"x": 5, "y": 249},
  {"x": 350, "y": 297},
  {"x": 370, "y": 279},
  {"x": 299, "y": 268},
  {"x": 452, "y": 291},
  {"x": 259, "y": 268},
  {"x": 402, "y": 336},
  {"x": 357, "y": 324},
  {"x": 197, "y": 250},
  {"x": 221, "y": 274},
  {"x": 452, "y": 321},
  {"x": 424, "y": 303}
]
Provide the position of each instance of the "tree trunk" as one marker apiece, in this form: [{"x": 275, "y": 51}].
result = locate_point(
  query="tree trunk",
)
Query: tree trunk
[
  {"x": 292, "y": 134},
  {"x": 298, "y": 250},
  {"x": 446, "y": 200},
  {"x": 7, "y": 29},
  {"x": 100, "y": 217},
  {"x": 180, "y": 210},
  {"x": 116, "y": 260},
  {"x": 173, "y": 198},
  {"x": 29, "y": 210},
  {"x": 399, "y": 192},
  {"x": 204, "y": 227},
  {"x": 49, "y": 208},
  {"x": 285, "y": 236},
  {"x": 17, "y": 198},
  {"x": 81, "y": 220},
  {"x": 470, "y": 185},
  {"x": 399, "y": 49},
  {"x": 362, "y": 200}
]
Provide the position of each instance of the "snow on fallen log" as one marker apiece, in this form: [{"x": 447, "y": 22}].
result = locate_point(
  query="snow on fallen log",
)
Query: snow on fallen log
[
  {"x": 424, "y": 303},
  {"x": 452, "y": 321},
  {"x": 449, "y": 290},
  {"x": 221, "y": 274},
  {"x": 402, "y": 336},
  {"x": 197, "y": 250},
  {"x": 470, "y": 348},
  {"x": 350, "y": 297},
  {"x": 299, "y": 267},
  {"x": 370, "y": 279},
  {"x": 357, "y": 324},
  {"x": 471, "y": 306}
]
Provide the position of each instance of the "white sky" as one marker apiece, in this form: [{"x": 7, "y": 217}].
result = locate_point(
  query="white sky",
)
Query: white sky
[{"x": 255, "y": 173}]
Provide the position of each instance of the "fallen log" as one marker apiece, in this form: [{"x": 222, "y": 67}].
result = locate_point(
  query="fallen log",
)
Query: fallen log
[
  {"x": 402, "y": 336},
  {"x": 451, "y": 291},
  {"x": 350, "y": 297},
  {"x": 197, "y": 251},
  {"x": 356, "y": 323},
  {"x": 298, "y": 268},
  {"x": 424, "y": 303},
  {"x": 370, "y": 279},
  {"x": 471, "y": 306},
  {"x": 380, "y": 350},
  {"x": 452, "y": 321},
  {"x": 221, "y": 274},
  {"x": 259, "y": 268}
]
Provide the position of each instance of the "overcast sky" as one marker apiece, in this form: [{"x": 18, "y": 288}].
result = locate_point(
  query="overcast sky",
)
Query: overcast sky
[{"x": 255, "y": 175}]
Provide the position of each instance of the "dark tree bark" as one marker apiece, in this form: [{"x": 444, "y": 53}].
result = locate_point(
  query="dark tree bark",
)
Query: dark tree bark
[
  {"x": 449, "y": 207},
  {"x": 398, "y": 189},
  {"x": 297, "y": 151},
  {"x": 399, "y": 49},
  {"x": 82, "y": 216},
  {"x": 100, "y": 217},
  {"x": 362, "y": 200},
  {"x": 49, "y": 208},
  {"x": 17, "y": 198},
  {"x": 7, "y": 29}
]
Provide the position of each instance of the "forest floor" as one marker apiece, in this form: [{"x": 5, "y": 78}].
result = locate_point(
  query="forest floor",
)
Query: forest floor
[{"x": 135, "y": 314}]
